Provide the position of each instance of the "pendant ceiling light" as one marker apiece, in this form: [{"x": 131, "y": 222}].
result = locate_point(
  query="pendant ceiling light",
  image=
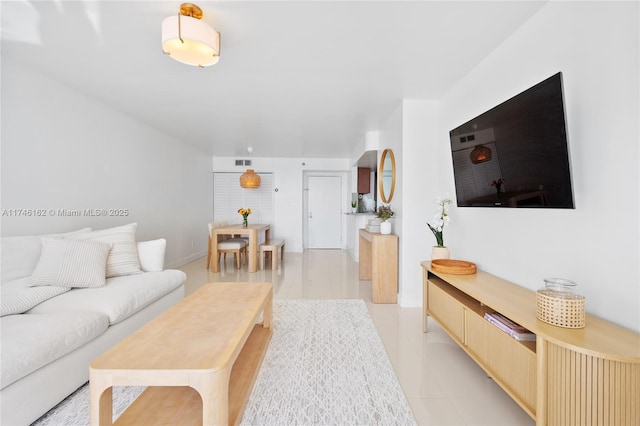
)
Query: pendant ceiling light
[
  {"x": 249, "y": 179},
  {"x": 189, "y": 40},
  {"x": 480, "y": 154}
]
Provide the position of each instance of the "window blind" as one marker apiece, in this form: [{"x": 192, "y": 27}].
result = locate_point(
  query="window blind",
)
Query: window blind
[{"x": 229, "y": 196}]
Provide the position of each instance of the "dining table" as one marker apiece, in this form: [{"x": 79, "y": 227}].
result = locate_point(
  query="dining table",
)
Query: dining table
[{"x": 253, "y": 231}]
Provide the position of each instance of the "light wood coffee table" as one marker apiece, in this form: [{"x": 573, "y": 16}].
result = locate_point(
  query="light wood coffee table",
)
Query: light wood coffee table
[{"x": 199, "y": 358}]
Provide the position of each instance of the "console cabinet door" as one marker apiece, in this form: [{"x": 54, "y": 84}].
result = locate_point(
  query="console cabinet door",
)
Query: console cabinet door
[
  {"x": 446, "y": 310},
  {"x": 511, "y": 362}
]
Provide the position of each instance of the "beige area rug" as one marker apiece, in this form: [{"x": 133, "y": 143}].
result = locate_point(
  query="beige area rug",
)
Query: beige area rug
[{"x": 325, "y": 365}]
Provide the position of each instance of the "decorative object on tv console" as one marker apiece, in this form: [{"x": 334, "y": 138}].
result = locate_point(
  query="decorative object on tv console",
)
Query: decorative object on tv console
[
  {"x": 516, "y": 154},
  {"x": 245, "y": 215},
  {"x": 188, "y": 39},
  {"x": 455, "y": 267},
  {"x": 437, "y": 225},
  {"x": 440, "y": 253},
  {"x": 557, "y": 304}
]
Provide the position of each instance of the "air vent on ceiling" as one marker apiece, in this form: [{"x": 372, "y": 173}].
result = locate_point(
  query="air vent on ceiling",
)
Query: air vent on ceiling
[{"x": 243, "y": 162}]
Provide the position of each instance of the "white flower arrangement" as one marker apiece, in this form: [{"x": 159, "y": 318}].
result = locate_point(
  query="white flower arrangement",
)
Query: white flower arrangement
[{"x": 440, "y": 219}]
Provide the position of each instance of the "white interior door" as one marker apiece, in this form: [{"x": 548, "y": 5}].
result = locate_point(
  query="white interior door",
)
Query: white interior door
[{"x": 325, "y": 211}]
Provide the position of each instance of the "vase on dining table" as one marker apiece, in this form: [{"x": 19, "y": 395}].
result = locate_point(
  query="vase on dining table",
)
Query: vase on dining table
[{"x": 245, "y": 222}]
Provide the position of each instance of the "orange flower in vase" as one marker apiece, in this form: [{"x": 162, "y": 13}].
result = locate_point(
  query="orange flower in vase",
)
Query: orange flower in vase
[{"x": 245, "y": 214}]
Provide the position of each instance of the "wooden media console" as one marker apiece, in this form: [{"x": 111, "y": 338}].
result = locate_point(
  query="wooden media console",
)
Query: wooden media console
[{"x": 565, "y": 377}]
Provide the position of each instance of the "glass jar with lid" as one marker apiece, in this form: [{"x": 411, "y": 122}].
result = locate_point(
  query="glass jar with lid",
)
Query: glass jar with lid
[
  {"x": 557, "y": 304},
  {"x": 558, "y": 287}
]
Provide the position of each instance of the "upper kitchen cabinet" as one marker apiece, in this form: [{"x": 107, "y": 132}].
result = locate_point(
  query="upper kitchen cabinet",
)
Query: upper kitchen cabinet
[{"x": 364, "y": 180}]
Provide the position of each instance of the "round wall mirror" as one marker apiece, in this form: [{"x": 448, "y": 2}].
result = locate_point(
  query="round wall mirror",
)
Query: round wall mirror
[{"x": 387, "y": 175}]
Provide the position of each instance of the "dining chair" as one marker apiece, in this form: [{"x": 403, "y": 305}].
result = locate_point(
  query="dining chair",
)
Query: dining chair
[{"x": 237, "y": 246}]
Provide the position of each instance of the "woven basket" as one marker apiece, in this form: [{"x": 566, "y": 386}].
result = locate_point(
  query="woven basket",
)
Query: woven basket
[{"x": 560, "y": 308}]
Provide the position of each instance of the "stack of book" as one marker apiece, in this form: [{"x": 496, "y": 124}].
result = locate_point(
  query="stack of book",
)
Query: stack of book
[
  {"x": 373, "y": 225},
  {"x": 514, "y": 330}
]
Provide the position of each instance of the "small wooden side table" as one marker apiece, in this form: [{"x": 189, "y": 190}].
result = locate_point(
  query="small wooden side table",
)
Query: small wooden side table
[{"x": 379, "y": 263}]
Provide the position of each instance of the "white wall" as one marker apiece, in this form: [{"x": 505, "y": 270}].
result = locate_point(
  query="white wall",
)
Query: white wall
[
  {"x": 64, "y": 150},
  {"x": 411, "y": 132},
  {"x": 596, "y": 46},
  {"x": 288, "y": 174},
  {"x": 390, "y": 137},
  {"x": 420, "y": 187}
]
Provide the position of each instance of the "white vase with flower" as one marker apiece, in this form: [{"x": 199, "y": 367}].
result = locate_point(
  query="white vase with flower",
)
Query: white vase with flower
[
  {"x": 385, "y": 213},
  {"x": 437, "y": 225}
]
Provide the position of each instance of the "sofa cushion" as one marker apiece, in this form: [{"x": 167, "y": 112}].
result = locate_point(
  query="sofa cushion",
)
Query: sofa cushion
[
  {"x": 123, "y": 258},
  {"x": 71, "y": 263},
  {"x": 20, "y": 254},
  {"x": 32, "y": 341},
  {"x": 18, "y": 296},
  {"x": 151, "y": 255},
  {"x": 120, "y": 298}
]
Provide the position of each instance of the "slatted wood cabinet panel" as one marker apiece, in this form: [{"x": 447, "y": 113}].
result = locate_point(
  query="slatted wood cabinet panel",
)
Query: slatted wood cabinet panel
[
  {"x": 451, "y": 312},
  {"x": 588, "y": 390},
  {"x": 566, "y": 377}
]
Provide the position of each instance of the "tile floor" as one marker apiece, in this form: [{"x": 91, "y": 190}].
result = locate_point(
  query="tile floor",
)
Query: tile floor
[{"x": 442, "y": 384}]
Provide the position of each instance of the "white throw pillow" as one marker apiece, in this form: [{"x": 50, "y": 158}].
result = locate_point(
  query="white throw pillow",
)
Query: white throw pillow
[
  {"x": 20, "y": 254},
  {"x": 123, "y": 258},
  {"x": 71, "y": 263},
  {"x": 151, "y": 255}
]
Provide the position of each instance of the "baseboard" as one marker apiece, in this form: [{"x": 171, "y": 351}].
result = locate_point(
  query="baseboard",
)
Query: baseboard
[
  {"x": 180, "y": 262},
  {"x": 409, "y": 302}
]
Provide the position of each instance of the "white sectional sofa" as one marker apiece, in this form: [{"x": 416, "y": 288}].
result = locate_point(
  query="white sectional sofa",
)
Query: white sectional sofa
[{"x": 58, "y": 314}]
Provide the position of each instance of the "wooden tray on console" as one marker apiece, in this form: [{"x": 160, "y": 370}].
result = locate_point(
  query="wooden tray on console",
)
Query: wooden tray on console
[{"x": 456, "y": 267}]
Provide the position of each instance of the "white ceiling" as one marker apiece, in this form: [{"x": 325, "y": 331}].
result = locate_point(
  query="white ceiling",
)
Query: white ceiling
[{"x": 295, "y": 79}]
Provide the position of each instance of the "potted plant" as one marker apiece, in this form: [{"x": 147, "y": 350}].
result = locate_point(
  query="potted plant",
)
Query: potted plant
[
  {"x": 354, "y": 204},
  {"x": 437, "y": 225},
  {"x": 385, "y": 213}
]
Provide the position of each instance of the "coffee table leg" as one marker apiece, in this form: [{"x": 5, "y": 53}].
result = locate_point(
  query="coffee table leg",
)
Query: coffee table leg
[
  {"x": 267, "y": 312},
  {"x": 214, "y": 391},
  {"x": 101, "y": 402}
]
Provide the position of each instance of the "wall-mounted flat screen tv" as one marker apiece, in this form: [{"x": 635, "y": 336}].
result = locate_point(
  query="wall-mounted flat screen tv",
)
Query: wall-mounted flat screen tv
[{"x": 516, "y": 154}]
